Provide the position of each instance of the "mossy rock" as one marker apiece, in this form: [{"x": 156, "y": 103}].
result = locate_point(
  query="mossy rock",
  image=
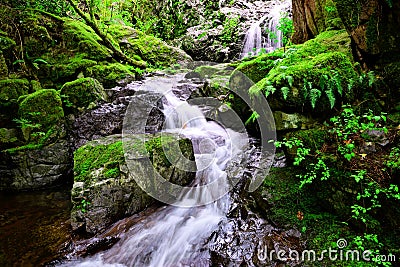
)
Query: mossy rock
[
  {"x": 94, "y": 162},
  {"x": 81, "y": 93},
  {"x": 80, "y": 37},
  {"x": 3, "y": 67},
  {"x": 257, "y": 68},
  {"x": 42, "y": 111},
  {"x": 293, "y": 87},
  {"x": 109, "y": 74},
  {"x": 66, "y": 69},
  {"x": 11, "y": 90},
  {"x": 138, "y": 45},
  {"x": 104, "y": 182},
  {"x": 8, "y": 138}
]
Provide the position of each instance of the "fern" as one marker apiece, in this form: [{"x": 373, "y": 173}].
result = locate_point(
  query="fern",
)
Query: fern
[
  {"x": 337, "y": 82},
  {"x": 307, "y": 86},
  {"x": 290, "y": 80},
  {"x": 285, "y": 92},
  {"x": 331, "y": 97},
  {"x": 323, "y": 81},
  {"x": 270, "y": 89},
  {"x": 315, "y": 94},
  {"x": 350, "y": 85}
]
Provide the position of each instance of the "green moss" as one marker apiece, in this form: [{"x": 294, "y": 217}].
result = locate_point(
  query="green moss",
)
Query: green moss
[
  {"x": 104, "y": 157},
  {"x": 70, "y": 68},
  {"x": 82, "y": 92},
  {"x": 41, "y": 111},
  {"x": 7, "y": 136},
  {"x": 110, "y": 74},
  {"x": 35, "y": 85},
  {"x": 138, "y": 45},
  {"x": 333, "y": 65},
  {"x": 11, "y": 90},
  {"x": 6, "y": 43},
  {"x": 256, "y": 69},
  {"x": 79, "y": 36}
]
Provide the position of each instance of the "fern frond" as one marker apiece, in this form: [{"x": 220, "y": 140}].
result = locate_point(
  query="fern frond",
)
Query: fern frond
[
  {"x": 331, "y": 97},
  {"x": 315, "y": 94},
  {"x": 285, "y": 92}
]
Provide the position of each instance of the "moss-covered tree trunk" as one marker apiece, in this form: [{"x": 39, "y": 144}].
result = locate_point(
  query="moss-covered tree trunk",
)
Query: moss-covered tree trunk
[
  {"x": 374, "y": 27},
  {"x": 91, "y": 22}
]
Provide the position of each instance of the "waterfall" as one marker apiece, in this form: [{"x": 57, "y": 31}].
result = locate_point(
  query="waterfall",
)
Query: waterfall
[
  {"x": 253, "y": 42},
  {"x": 174, "y": 235}
]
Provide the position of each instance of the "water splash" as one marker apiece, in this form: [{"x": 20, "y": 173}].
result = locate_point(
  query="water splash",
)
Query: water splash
[{"x": 254, "y": 42}]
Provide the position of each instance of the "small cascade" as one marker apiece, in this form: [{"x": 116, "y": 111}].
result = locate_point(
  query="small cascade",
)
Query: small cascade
[
  {"x": 254, "y": 41},
  {"x": 176, "y": 235}
]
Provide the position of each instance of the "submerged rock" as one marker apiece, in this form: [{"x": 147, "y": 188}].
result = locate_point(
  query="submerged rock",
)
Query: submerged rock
[{"x": 105, "y": 190}]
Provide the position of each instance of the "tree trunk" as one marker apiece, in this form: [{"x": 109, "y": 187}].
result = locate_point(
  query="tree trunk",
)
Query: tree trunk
[
  {"x": 107, "y": 42},
  {"x": 304, "y": 14}
]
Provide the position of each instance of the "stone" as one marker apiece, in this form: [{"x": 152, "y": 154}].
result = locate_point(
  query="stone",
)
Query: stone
[
  {"x": 82, "y": 93},
  {"x": 284, "y": 121},
  {"x": 28, "y": 170},
  {"x": 104, "y": 188}
]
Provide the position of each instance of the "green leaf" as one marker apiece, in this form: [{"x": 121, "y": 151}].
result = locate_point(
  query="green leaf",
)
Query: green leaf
[{"x": 285, "y": 92}]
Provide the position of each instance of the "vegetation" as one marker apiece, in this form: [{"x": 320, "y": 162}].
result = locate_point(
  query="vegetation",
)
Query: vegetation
[{"x": 59, "y": 58}]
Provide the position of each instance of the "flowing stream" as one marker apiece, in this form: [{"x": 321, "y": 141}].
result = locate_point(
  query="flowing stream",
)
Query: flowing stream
[{"x": 176, "y": 235}]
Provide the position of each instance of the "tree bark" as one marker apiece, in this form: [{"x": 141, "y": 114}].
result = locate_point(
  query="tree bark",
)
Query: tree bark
[
  {"x": 305, "y": 26},
  {"x": 118, "y": 54}
]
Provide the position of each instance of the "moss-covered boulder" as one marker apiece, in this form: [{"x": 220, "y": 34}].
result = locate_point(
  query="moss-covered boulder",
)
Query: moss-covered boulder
[
  {"x": 151, "y": 49},
  {"x": 40, "y": 114},
  {"x": 11, "y": 90},
  {"x": 104, "y": 188},
  {"x": 41, "y": 159},
  {"x": 83, "y": 39},
  {"x": 256, "y": 69},
  {"x": 311, "y": 78},
  {"x": 109, "y": 74},
  {"x": 81, "y": 93}
]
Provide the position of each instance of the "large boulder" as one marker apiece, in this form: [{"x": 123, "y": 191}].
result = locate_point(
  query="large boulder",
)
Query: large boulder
[
  {"x": 37, "y": 155},
  {"x": 104, "y": 188},
  {"x": 35, "y": 168}
]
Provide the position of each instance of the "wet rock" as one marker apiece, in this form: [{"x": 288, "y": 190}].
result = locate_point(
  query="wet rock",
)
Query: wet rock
[
  {"x": 105, "y": 189},
  {"x": 35, "y": 169},
  {"x": 108, "y": 118}
]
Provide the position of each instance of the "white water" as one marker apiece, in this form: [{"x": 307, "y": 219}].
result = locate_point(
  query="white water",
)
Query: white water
[
  {"x": 175, "y": 236},
  {"x": 254, "y": 41}
]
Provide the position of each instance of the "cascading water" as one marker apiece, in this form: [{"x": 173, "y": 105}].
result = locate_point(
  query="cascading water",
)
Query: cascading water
[
  {"x": 253, "y": 42},
  {"x": 174, "y": 235}
]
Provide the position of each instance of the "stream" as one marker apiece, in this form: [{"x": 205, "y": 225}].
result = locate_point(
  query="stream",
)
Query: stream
[{"x": 209, "y": 224}]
